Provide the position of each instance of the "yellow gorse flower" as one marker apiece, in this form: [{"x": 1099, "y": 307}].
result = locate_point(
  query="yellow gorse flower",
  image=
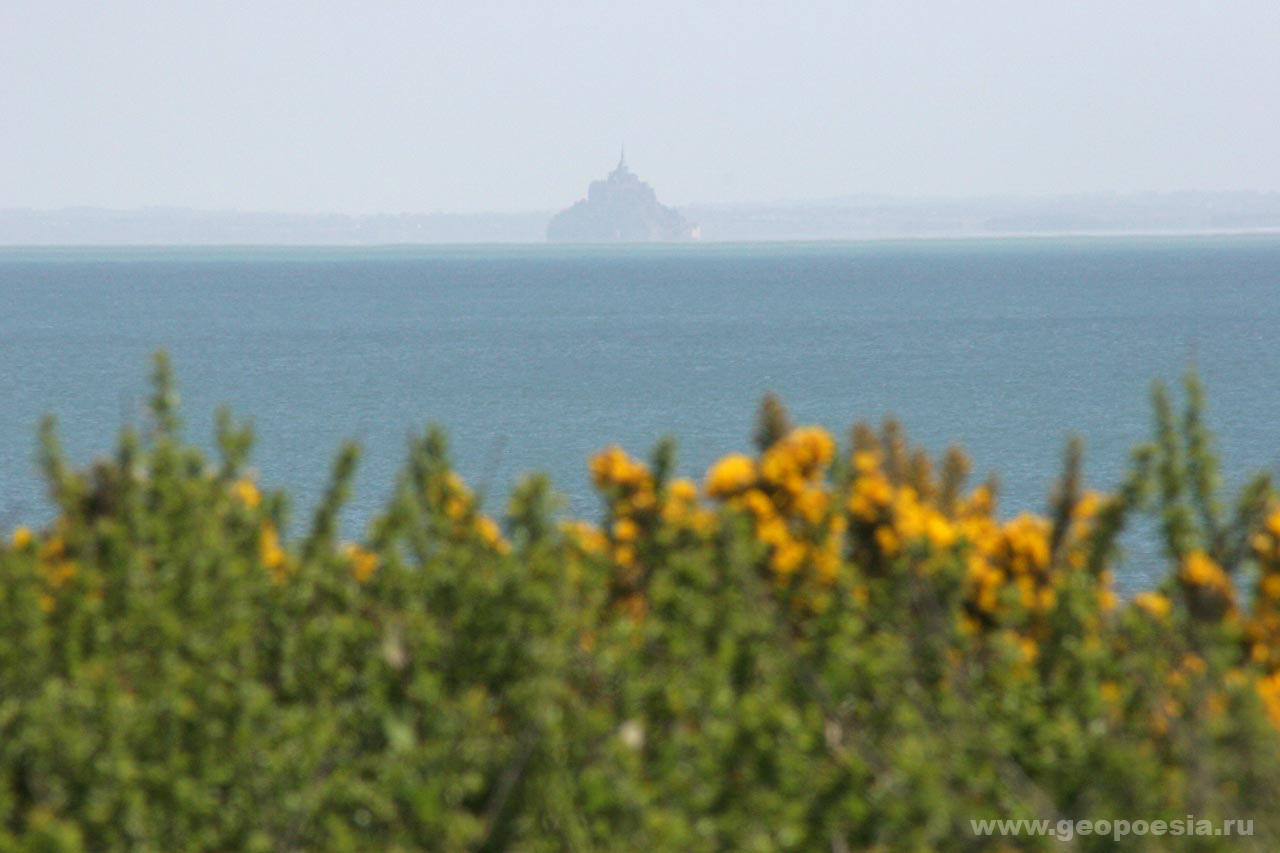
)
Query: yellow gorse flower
[
  {"x": 683, "y": 490},
  {"x": 491, "y": 534},
  {"x": 363, "y": 563},
  {"x": 681, "y": 504},
  {"x": 613, "y": 467},
  {"x": 1268, "y": 689},
  {"x": 789, "y": 503},
  {"x": 271, "y": 552},
  {"x": 455, "y": 508},
  {"x": 1201, "y": 571},
  {"x": 59, "y": 573},
  {"x": 586, "y": 536},
  {"x": 246, "y": 491},
  {"x": 1153, "y": 604},
  {"x": 625, "y": 530},
  {"x": 51, "y": 549},
  {"x": 731, "y": 475},
  {"x": 21, "y": 538}
]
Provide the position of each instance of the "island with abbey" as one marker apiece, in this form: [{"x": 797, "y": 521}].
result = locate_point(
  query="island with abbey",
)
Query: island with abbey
[{"x": 620, "y": 209}]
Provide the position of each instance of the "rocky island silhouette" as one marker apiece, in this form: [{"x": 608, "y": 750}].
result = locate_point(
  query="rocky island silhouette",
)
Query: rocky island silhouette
[{"x": 620, "y": 208}]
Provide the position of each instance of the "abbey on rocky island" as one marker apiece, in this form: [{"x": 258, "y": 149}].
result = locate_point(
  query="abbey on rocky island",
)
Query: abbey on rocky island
[{"x": 621, "y": 208}]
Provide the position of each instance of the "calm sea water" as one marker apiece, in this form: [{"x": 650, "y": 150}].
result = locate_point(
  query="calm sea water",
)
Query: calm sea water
[{"x": 534, "y": 357}]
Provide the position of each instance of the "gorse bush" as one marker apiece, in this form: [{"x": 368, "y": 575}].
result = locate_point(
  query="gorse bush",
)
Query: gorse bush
[{"x": 817, "y": 648}]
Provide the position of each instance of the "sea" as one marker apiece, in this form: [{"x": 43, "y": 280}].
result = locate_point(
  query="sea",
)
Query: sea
[{"x": 534, "y": 357}]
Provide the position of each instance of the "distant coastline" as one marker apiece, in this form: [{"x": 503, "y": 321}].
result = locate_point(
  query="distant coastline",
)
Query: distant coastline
[{"x": 853, "y": 218}]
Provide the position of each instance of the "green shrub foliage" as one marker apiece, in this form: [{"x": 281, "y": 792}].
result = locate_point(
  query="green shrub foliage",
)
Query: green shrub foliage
[{"x": 817, "y": 648}]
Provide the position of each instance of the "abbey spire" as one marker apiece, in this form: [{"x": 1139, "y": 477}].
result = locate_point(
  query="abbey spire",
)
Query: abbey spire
[{"x": 621, "y": 169}]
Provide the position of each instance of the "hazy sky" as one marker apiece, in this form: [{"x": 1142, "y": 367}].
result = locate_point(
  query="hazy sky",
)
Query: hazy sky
[{"x": 376, "y": 106}]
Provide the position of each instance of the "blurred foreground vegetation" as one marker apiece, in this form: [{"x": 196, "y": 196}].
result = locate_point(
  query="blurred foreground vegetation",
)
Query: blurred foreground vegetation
[{"x": 817, "y": 648}]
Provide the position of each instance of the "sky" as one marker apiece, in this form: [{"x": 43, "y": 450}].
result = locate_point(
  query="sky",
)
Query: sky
[{"x": 468, "y": 106}]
